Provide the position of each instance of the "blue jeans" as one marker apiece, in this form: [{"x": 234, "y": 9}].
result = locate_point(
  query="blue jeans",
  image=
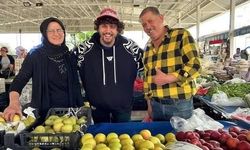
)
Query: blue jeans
[
  {"x": 103, "y": 115},
  {"x": 164, "y": 111}
]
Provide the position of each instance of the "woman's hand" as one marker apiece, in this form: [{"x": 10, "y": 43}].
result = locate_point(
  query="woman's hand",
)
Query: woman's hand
[{"x": 14, "y": 107}]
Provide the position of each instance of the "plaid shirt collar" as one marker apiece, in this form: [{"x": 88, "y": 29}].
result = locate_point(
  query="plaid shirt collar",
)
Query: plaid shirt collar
[{"x": 167, "y": 35}]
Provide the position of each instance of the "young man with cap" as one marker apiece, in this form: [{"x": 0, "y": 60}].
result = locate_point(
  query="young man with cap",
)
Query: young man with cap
[{"x": 108, "y": 66}]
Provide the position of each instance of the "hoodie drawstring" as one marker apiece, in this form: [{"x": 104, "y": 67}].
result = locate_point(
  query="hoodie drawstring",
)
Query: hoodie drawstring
[
  {"x": 103, "y": 67},
  {"x": 114, "y": 65}
]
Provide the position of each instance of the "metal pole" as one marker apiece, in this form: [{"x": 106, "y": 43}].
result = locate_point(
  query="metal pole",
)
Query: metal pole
[
  {"x": 198, "y": 16},
  {"x": 231, "y": 27},
  {"x": 20, "y": 36}
]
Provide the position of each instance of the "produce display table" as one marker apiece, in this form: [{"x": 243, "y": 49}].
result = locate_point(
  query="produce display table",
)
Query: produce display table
[
  {"x": 155, "y": 127},
  {"x": 226, "y": 111}
]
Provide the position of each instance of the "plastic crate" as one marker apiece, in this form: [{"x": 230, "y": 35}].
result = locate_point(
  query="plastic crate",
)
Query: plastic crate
[
  {"x": 57, "y": 140},
  {"x": 2, "y": 133},
  {"x": 48, "y": 141},
  {"x": 13, "y": 141}
]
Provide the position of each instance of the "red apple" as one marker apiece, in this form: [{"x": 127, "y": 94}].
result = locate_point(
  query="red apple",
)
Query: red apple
[
  {"x": 209, "y": 131},
  {"x": 189, "y": 135},
  {"x": 202, "y": 141},
  {"x": 195, "y": 141},
  {"x": 232, "y": 143},
  {"x": 214, "y": 143},
  {"x": 180, "y": 136},
  {"x": 248, "y": 136},
  {"x": 215, "y": 135},
  {"x": 235, "y": 129},
  {"x": 224, "y": 137},
  {"x": 243, "y": 145},
  {"x": 224, "y": 147},
  {"x": 242, "y": 137},
  {"x": 201, "y": 133},
  {"x": 197, "y": 135},
  {"x": 233, "y": 134},
  {"x": 203, "y": 147},
  {"x": 217, "y": 148},
  {"x": 244, "y": 131},
  {"x": 210, "y": 146},
  {"x": 206, "y": 136}
]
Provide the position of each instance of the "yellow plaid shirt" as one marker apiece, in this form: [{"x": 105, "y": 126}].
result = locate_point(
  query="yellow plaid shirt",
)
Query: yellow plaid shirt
[{"x": 176, "y": 55}]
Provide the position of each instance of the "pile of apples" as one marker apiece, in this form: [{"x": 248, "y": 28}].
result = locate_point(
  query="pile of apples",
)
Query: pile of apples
[
  {"x": 235, "y": 138},
  {"x": 112, "y": 141},
  {"x": 61, "y": 124}
]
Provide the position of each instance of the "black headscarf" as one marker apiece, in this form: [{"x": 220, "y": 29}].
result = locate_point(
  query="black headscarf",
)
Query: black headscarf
[{"x": 51, "y": 49}]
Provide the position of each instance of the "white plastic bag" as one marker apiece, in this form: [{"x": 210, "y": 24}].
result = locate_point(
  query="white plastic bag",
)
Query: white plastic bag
[
  {"x": 195, "y": 122},
  {"x": 221, "y": 99}
]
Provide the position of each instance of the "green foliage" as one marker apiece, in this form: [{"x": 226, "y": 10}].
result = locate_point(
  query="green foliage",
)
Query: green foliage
[
  {"x": 232, "y": 90},
  {"x": 77, "y": 38}
]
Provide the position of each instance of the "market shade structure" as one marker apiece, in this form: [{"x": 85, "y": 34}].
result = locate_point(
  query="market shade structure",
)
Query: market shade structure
[{"x": 25, "y": 15}]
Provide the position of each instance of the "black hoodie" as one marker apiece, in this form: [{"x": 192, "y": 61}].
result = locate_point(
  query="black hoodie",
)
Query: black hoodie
[{"x": 108, "y": 74}]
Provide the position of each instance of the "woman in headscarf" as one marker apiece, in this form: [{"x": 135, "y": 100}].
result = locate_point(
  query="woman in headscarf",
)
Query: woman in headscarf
[{"x": 54, "y": 74}]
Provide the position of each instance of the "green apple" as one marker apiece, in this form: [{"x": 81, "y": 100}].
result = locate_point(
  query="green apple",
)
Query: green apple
[
  {"x": 67, "y": 128},
  {"x": 39, "y": 129},
  {"x": 136, "y": 137},
  {"x": 49, "y": 122},
  {"x": 128, "y": 147},
  {"x": 114, "y": 140},
  {"x": 86, "y": 136},
  {"x": 161, "y": 137},
  {"x": 16, "y": 118},
  {"x": 146, "y": 144},
  {"x": 127, "y": 141},
  {"x": 154, "y": 140},
  {"x": 124, "y": 136},
  {"x": 89, "y": 141},
  {"x": 100, "y": 138},
  {"x": 115, "y": 145},
  {"x": 111, "y": 136},
  {"x": 68, "y": 121},
  {"x": 73, "y": 119},
  {"x": 81, "y": 120},
  {"x": 58, "y": 120},
  {"x": 57, "y": 127},
  {"x": 53, "y": 117},
  {"x": 31, "y": 119}
]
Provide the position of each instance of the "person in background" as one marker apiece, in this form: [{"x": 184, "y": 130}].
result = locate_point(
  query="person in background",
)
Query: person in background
[
  {"x": 108, "y": 66},
  {"x": 247, "y": 76},
  {"x": 25, "y": 97},
  {"x": 171, "y": 65},
  {"x": 52, "y": 69},
  {"x": 237, "y": 54},
  {"x": 21, "y": 54},
  {"x": 7, "y": 63},
  {"x": 243, "y": 54}
]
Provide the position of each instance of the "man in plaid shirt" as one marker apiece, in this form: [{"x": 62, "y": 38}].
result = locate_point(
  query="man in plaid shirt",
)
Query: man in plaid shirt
[{"x": 171, "y": 64}]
